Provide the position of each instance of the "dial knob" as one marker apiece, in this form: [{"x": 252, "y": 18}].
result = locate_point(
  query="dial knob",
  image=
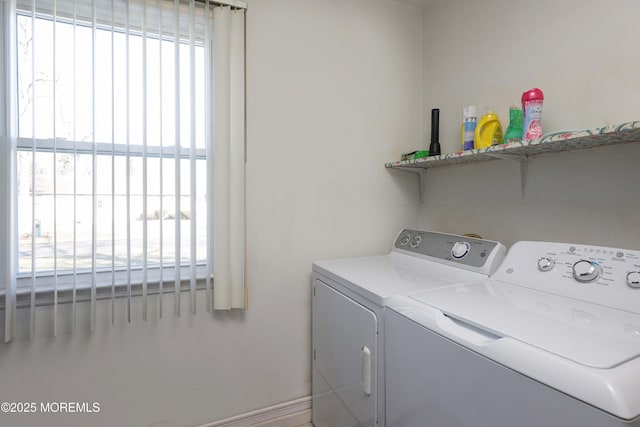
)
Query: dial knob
[
  {"x": 405, "y": 239},
  {"x": 586, "y": 271},
  {"x": 460, "y": 249},
  {"x": 633, "y": 279},
  {"x": 415, "y": 242},
  {"x": 545, "y": 264}
]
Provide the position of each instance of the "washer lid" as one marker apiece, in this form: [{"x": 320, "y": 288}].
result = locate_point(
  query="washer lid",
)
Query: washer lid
[{"x": 586, "y": 333}]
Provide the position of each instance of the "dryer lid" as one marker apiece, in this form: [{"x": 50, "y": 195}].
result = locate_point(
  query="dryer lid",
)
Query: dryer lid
[
  {"x": 379, "y": 277},
  {"x": 586, "y": 333}
]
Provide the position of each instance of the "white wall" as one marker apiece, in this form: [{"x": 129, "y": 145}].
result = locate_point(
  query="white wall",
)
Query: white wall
[
  {"x": 583, "y": 55},
  {"x": 332, "y": 95}
]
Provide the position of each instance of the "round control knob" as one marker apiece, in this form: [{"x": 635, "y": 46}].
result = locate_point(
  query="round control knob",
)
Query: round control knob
[
  {"x": 586, "y": 271},
  {"x": 633, "y": 279},
  {"x": 460, "y": 249},
  {"x": 405, "y": 239},
  {"x": 415, "y": 242},
  {"x": 545, "y": 264}
]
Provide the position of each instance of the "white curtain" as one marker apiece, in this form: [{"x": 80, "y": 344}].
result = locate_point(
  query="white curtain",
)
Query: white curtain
[
  {"x": 8, "y": 201},
  {"x": 8, "y": 248},
  {"x": 229, "y": 161}
]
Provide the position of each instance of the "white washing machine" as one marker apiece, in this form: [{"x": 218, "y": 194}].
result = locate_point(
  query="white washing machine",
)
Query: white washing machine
[
  {"x": 551, "y": 339},
  {"x": 349, "y": 296}
]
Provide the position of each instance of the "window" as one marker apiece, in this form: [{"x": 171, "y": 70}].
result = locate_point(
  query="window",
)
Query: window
[
  {"x": 112, "y": 180},
  {"x": 129, "y": 110}
]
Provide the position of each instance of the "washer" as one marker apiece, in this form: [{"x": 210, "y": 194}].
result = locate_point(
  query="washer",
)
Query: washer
[
  {"x": 550, "y": 339},
  {"x": 349, "y": 296}
]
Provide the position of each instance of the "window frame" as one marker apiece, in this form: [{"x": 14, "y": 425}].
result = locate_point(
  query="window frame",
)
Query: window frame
[{"x": 108, "y": 280}]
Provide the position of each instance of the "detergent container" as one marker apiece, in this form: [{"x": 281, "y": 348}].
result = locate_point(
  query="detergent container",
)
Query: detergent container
[
  {"x": 514, "y": 130},
  {"x": 488, "y": 131},
  {"x": 532, "y": 107}
]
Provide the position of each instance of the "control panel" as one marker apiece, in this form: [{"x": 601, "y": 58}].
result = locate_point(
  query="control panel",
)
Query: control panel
[
  {"x": 600, "y": 275},
  {"x": 465, "y": 251}
]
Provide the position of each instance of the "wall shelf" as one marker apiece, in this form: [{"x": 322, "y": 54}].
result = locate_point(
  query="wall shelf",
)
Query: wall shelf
[{"x": 521, "y": 150}]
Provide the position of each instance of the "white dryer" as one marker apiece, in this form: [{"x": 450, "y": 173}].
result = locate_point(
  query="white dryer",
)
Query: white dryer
[
  {"x": 551, "y": 339},
  {"x": 349, "y": 296}
]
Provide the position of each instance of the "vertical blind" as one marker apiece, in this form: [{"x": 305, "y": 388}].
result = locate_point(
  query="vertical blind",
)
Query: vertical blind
[{"x": 123, "y": 156}]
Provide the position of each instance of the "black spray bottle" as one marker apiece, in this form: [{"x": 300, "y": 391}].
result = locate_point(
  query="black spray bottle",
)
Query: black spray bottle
[{"x": 434, "y": 148}]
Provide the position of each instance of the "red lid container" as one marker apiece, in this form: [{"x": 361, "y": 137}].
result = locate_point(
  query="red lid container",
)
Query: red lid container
[{"x": 532, "y": 95}]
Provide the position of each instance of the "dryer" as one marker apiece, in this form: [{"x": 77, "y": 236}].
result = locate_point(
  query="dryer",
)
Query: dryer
[
  {"x": 552, "y": 338},
  {"x": 349, "y": 299}
]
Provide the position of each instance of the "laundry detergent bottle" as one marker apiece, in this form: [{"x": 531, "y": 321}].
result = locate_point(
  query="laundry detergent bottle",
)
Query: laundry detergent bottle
[
  {"x": 532, "y": 106},
  {"x": 488, "y": 131},
  {"x": 514, "y": 130}
]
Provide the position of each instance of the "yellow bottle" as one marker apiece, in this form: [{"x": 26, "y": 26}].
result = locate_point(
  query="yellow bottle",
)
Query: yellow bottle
[{"x": 488, "y": 131}]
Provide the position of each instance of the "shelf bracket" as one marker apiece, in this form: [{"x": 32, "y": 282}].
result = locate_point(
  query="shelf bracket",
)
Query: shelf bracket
[
  {"x": 421, "y": 184},
  {"x": 523, "y": 161},
  {"x": 421, "y": 172}
]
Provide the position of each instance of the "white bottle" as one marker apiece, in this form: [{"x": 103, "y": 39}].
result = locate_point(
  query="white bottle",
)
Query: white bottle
[{"x": 468, "y": 126}]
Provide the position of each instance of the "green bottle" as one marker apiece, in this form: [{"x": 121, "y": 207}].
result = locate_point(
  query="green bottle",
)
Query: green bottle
[{"x": 514, "y": 130}]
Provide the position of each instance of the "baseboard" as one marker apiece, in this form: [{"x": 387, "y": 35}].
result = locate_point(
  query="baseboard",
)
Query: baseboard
[{"x": 287, "y": 414}]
